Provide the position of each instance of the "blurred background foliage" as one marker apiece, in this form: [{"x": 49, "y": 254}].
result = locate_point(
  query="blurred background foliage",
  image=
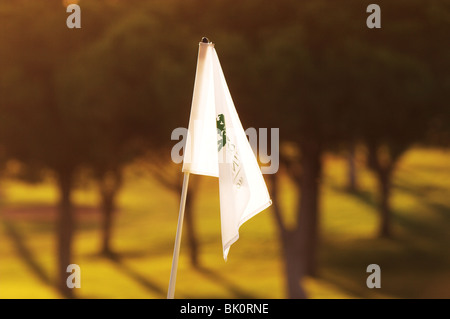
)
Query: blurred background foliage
[{"x": 86, "y": 117}]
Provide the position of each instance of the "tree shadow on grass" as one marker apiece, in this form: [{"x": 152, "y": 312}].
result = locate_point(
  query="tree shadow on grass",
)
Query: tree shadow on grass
[
  {"x": 407, "y": 268},
  {"x": 409, "y": 261},
  {"x": 118, "y": 261},
  {"x": 402, "y": 218},
  {"x": 365, "y": 197},
  {"x": 344, "y": 266},
  {"x": 235, "y": 290},
  {"x": 421, "y": 194},
  {"x": 25, "y": 253},
  {"x": 361, "y": 195}
]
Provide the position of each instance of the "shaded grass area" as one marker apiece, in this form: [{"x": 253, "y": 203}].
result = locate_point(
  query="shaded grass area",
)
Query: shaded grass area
[{"x": 415, "y": 263}]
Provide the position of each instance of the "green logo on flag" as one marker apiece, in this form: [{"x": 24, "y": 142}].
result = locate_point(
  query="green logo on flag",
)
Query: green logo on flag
[{"x": 221, "y": 130}]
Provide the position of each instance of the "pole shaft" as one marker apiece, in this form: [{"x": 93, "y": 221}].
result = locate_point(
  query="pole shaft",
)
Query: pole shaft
[{"x": 176, "y": 249}]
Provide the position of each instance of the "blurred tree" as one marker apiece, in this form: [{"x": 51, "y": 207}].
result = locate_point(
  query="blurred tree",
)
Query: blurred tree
[
  {"x": 300, "y": 72},
  {"x": 326, "y": 83},
  {"x": 403, "y": 105},
  {"x": 121, "y": 91},
  {"x": 35, "y": 127},
  {"x": 395, "y": 85}
]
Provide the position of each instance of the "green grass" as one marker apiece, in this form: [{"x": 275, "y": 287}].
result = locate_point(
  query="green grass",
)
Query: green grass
[{"x": 414, "y": 264}]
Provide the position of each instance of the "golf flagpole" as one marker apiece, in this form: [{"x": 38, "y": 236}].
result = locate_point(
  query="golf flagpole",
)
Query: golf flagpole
[
  {"x": 202, "y": 95},
  {"x": 176, "y": 249}
]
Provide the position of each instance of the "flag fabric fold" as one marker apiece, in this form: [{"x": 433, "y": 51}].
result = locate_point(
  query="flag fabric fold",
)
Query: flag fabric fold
[
  {"x": 200, "y": 153},
  {"x": 217, "y": 146}
]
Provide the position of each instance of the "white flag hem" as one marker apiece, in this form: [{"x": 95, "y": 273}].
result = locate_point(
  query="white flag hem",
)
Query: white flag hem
[{"x": 227, "y": 245}]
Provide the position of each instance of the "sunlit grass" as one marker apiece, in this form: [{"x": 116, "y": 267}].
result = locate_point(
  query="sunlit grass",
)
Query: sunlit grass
[{"x": 413, "y": 262}]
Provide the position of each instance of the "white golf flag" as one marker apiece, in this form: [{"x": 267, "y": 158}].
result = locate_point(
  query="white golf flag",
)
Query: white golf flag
[{"x": 217, "y": 146}]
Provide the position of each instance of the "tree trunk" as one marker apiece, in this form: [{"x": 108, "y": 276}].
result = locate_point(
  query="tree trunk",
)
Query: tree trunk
[
  {"x": 289, "y": 243},
  {"x": 190, "y": 229},
  {"x": 308, "y": 211},
  {"x": 383, "y": 172},
  {"x": 65, "y": 231},
  {"x": 384, "y": 180},
  {"x": 352, "y": 184},
  {"x": 293, "y": 266},
  {"x": 110, "y": 185},
  {"x": 108, "y": 211}
]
